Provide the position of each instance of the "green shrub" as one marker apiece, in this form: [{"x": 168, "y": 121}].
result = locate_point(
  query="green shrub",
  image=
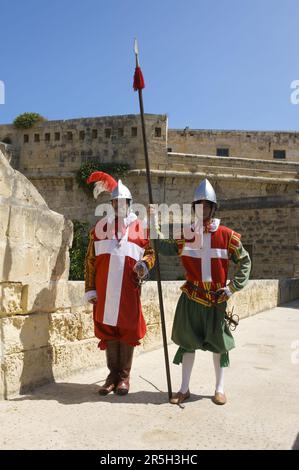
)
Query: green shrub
[
  {"x": 78, "y": 250},
  {"x": 27, "y": 120}
]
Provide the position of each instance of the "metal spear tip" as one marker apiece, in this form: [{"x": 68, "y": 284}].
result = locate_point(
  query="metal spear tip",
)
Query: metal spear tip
[{"x": 136, "y": 47}]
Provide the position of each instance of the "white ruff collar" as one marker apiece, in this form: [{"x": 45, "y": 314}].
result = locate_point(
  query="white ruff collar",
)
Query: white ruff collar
[
  {"x": 131, "y": 217},
  {"x": 213, "y": 225}
]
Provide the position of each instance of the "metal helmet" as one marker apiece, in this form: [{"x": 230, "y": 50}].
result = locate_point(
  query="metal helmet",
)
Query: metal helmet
[
  {"x": 205, "y": 192},
  {"x": 121, "y": 192}
]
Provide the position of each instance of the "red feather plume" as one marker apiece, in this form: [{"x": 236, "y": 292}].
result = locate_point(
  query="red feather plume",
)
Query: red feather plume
[{"x": 103, "y": 182}]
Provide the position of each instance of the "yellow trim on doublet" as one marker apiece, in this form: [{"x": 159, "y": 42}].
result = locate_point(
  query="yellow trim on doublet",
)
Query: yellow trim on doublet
[{"x": 194, "y": 297}]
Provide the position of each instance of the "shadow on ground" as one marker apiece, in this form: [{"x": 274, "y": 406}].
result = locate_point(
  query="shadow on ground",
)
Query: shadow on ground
[{"x": 74, "y": 393}]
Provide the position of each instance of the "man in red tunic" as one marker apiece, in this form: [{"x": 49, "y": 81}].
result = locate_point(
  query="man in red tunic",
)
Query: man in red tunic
[
  {"x": 200, "y": 321},
  {"x": 118, "y": 256}
]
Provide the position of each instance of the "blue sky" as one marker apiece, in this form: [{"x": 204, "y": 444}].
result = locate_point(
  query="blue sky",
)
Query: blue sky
[{"x": 220, "y": 64}]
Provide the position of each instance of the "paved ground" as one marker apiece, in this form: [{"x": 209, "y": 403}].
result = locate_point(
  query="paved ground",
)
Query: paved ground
[{"x": 262, "y": 386}]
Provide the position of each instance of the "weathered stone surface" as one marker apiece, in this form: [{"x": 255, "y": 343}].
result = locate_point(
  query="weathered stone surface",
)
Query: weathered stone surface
[
  {"x": 87, "y": 326},
  {"x": 76, "y": 293},
  {"x": 255, "y": 297},
  {"x": 288, "y": 290},
  {"x": 26, "y": 370},
  {"x": 245, "y": 144},
  {"x": 25, "y": 332},
  {"x": 153, "y": 338},
  {"x": 4, "y": 216},
  {"x": 11, "y": 299},
  {"x": 75, "y": 356},
  {"x": 149, "y": 295},
  {"x": 48, "y": 296},
  {"x": 34, "y": 240},
  {"x": 64, "y": 327}
]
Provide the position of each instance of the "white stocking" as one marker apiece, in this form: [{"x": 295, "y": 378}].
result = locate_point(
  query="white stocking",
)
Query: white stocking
[
  {"x": 219, "y": 372},
  {"x": 187, "y": 364}
]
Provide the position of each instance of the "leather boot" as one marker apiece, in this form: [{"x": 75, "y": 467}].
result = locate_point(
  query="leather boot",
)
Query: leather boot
[
  {"x": 126, "y": 359},
  {"x": 112, "y": 357}
]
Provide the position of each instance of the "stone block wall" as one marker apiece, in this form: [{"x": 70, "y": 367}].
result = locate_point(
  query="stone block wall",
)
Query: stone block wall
[
  {"x": 34, "y": 240},
  {"x": 246, "y": 144},
  {"x": 271, "y": 235}
]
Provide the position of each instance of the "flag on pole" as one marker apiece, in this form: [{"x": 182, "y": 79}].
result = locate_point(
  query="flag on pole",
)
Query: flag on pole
[{"x": 138, "y": 79}]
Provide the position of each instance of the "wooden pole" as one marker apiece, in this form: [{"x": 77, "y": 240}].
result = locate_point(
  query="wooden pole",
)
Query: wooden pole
[{"x": 155, "y": 241}]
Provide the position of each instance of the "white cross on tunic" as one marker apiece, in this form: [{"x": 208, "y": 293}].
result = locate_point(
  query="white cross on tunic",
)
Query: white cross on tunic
[
  {"x": 206, "y": 254},
  {"x": 118, "y": 252}
]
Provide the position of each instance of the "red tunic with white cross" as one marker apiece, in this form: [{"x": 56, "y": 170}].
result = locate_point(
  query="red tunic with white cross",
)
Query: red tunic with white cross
[
  {"x": 118, "y": 313},
  {"x": 206, "y": 263}
]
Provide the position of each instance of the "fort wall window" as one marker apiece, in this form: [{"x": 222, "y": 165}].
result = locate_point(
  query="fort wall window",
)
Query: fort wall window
[
  {"x": 134, "y": 131},
  {"x": 69, "y": 136},
  {"x": 222, "y": 152},
  {"x": 47, "y": 137},
  {"x": 36, "y": 138},
  {"x": 57, "y": 136},
  {"x": 158, "y": 132},
  {"x": 26, "y": 138},
  {"x": 94, "y": 133},
  {"x": 82, "y": 135},
  {"x": 108, "y": 133},
  {"x": 279, "y": 154}
]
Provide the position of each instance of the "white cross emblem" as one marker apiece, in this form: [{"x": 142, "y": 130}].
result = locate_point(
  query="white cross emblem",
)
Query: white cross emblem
[
  {"x": 118, "y": 252},
  {"x": 206, "y": 254}
]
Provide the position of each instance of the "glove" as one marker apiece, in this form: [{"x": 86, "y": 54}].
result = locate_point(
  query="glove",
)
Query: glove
[
  {"x": 141, "y": 269},
  {"x": 91, "y": 296},
  {"x": 223, "y": 294}
]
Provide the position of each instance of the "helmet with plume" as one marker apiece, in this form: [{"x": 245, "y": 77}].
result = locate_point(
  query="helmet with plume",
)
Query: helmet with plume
[{"x": 104, "y": 182}]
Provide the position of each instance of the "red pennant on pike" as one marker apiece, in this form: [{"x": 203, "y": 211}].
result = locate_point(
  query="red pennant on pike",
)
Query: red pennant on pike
[{"x": 138, "y": 79}]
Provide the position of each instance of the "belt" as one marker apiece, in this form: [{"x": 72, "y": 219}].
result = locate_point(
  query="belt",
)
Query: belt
[
  {"x": 231, "y": 319},
  {"x": 213, "y": 294}
]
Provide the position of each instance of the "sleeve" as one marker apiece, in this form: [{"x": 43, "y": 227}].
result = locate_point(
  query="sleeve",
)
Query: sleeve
[
  {"x": 89, "y": 273},
  {"x": 169, "y": 247},
  {"x": 166, "y": 247},
  {"x": 241, "y": 258}
]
